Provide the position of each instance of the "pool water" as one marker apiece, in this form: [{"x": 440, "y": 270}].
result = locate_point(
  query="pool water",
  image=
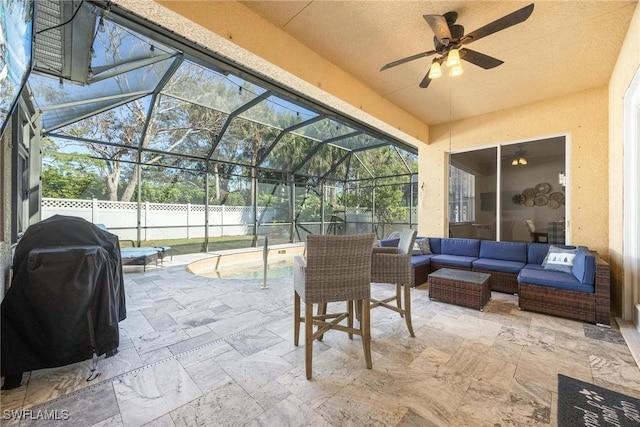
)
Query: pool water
[{"x": 253, "y": 272}]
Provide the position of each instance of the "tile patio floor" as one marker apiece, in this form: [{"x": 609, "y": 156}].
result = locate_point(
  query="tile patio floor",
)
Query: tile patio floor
[{"x": 219, "y": 352}]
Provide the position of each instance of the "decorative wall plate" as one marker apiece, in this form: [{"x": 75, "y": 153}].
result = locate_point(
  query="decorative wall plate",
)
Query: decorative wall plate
[
  {"x": 556, "y": 196},
  {"x": 529, "y": 193},
  {"x": 529, "y": 203},
  {"x": 518, "y": 199},
  {"x": 553, "y": 204},
  {"x": 541, "y": 200},
  {"x": 543, "y": 188}
]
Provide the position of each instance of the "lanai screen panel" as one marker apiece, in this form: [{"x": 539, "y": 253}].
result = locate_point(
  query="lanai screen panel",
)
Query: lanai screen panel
[
  {"x": 123, "y": 66},
  {"x": 182, "y": 127},
  {"x": 199, "y": 85},
  {"x": 289, "y": 151},
  {"x": 244, "y": 141},
  {"x": 121, "y": 125},
  {"x": 383, "y": 161}
]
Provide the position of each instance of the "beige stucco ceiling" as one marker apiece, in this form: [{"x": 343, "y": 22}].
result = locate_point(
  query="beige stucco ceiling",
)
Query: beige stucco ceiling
[{"x": 564, "y": 47}]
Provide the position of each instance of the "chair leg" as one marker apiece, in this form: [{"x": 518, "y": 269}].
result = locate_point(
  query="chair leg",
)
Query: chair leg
[
  {"x": 407, "y": 308},
  {"x": 365, "y": 330},
  {"x": 296, "y": 318},
  {"x": 350, "y": 317},
  {"x": 399, "y": 298},
  {"x": 322, "y": 310},
  {"x": 308, "y": 338}
]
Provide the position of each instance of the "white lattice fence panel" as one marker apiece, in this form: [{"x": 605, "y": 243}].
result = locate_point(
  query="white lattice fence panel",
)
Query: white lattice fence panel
[
  {"x": 71, "y": 207},
  {"x": 160, "y": 220}
]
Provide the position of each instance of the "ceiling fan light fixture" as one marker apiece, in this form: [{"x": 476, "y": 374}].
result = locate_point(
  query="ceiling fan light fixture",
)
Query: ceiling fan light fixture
[
  {"x": 435, "y": 71},
  {"x": 519, "y": 158},
  {"x": 456, "y": 71},
  {"x": 453, "y": 58}
]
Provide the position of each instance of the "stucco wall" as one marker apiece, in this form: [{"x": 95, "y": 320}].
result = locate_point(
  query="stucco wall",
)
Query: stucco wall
[
  {"x": 582, "y": 116},
  {"x": 627, "y": 65}
]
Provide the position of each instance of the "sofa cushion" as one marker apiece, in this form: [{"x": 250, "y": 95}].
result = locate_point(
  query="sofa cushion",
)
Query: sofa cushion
[
  {"x": 462, "y": 247},
  {"x": 454, "y": 260},
  {"x": 553, "y": 279},
  {"x": 389, "y": 243},
  {"x": 559, "y": 259},
  {"x": 508, "y": 251},
  {"x": 536, "y": 252},
  {"x": 420, "y": 260},
  {"x": 498, "y": 265},
  {"x": 435, "y": 245},
  {"x": 584, "y": 266}
]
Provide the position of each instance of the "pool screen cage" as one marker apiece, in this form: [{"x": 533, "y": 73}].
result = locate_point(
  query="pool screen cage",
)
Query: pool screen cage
[{"x": 167, "y": 141}]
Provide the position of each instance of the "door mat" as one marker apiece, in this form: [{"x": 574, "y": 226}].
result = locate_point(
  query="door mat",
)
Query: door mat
[{"x": 584, "y": 404}]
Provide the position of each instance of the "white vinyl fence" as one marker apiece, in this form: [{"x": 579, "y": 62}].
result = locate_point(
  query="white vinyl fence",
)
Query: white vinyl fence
[{"x": 159, "y": 220}]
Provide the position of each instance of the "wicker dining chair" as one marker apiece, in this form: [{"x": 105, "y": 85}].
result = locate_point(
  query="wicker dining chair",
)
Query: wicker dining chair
[
  {"x": 337, "y": 268},
  {"x": 393, "y": 265}
]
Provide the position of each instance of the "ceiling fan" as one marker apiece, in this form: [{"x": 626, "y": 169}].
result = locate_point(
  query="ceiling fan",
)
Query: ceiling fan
[{"x": 450, "y": 37}]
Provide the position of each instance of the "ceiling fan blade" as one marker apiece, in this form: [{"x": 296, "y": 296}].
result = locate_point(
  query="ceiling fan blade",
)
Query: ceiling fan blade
[
  {"x": 425, "y": 82},
  {"x": 479, "y": 59},
  {"x": 506, "y": 21},
  {"x": 407, "y": 59},
  {"x": 439, "y": 26}
]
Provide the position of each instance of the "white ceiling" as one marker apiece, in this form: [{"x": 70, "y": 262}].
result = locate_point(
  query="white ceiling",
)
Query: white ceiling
[{"x": 564, "y": 47}]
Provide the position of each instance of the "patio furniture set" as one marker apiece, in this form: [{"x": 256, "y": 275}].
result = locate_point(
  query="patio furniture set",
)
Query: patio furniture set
[{"x": 564, "y": 281}]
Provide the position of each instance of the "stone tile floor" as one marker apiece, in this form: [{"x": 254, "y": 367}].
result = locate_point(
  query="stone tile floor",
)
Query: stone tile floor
[{"x": 198, "y": 351}]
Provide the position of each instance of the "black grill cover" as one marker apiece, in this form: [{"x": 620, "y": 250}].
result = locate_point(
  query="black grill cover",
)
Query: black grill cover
[{"x": 67, "y": 295}]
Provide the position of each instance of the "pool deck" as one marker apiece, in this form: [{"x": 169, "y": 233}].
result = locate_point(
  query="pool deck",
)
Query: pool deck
[{"x": 201, "y": 351}]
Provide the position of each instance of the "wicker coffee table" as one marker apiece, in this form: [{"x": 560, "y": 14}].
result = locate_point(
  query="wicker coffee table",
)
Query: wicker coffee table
[{"x": 461, "y": 287}]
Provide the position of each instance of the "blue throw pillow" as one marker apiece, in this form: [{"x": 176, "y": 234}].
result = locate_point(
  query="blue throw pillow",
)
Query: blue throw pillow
[{"x": 559, "y": 259}]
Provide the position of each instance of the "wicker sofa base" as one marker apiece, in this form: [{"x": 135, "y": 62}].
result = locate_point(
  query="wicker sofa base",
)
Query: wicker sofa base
[
  {"x": 557, "y": 302},
  {"x": 452, "y": 291},
  {"x": 587, "y": 307},
  {"x": 421, "y": 274},
  {"x": 502, "y": 282}
]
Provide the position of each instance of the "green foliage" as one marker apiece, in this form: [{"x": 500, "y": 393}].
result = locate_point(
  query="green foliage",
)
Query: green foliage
[
  {"x": 309, "y": 207},
  {"x": 178, "y": 192},
  {"x": 71, "y": 184}
]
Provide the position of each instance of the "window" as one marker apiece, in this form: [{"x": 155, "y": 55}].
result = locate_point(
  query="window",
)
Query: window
[{"x": 462, "y": 190}]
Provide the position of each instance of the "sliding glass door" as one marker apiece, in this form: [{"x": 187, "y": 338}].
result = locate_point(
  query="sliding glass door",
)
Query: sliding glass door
[
  {"x": 519, "y": 198},
  {"x": 472, "y": 194}
]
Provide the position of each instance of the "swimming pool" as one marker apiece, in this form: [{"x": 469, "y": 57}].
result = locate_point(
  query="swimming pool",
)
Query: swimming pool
[
  {"x": 253, "y": 272},
  {"x": 248, "y": 264}
]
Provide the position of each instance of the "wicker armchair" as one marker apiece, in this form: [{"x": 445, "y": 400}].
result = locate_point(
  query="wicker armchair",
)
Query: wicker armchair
[
  {"x": 393, "y": 265},
  {"x": 337, "y": 268}
]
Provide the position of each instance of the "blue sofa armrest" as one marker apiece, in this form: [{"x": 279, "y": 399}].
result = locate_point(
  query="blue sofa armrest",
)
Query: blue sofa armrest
[{"x": 584, "y": 266}]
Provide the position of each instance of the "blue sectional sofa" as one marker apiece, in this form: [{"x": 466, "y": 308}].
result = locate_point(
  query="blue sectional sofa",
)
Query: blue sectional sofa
[{"x": 582, "y": 292}]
